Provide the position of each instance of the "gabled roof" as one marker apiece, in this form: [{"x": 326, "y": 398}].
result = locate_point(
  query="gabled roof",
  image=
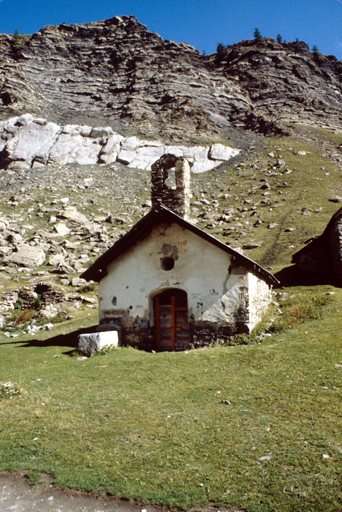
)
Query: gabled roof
[
  {"x": 318, "y": 242},
  {"x": 153, "y": 219}
]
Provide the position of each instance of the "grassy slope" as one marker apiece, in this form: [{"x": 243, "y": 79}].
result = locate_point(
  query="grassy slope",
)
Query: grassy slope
[
  {"x": 156, "y": 430},
  {"x": 152, "y": 426},
  {"x": 313, "y": 181}
]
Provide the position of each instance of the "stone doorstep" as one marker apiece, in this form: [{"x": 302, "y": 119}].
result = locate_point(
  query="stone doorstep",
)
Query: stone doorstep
[{"x": 91, "y": 343}]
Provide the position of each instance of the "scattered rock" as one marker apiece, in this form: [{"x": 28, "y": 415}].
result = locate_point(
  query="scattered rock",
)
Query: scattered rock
[
  {"x": 26, "y": 256},
  {"x": 251, "y": 246},
  {"x": 73, "y": 217},
  {"x": 78, "y": 281},
  {"x": 61, "y": 229},
  {"x": 265, "y": 186}
]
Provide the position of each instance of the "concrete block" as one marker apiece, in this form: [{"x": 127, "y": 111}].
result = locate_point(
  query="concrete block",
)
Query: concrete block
[{"x": 92, "y": 343}]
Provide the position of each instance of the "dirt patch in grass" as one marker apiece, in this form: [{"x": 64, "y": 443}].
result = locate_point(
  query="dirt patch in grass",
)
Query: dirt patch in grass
[{"x": 17, "y": 494}]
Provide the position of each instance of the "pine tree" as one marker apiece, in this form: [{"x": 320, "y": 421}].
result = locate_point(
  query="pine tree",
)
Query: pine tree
[
  {"x": 279, "y": 38},
  {"x": 16, "y": 36},
  {"x": 257, "y": 34}
]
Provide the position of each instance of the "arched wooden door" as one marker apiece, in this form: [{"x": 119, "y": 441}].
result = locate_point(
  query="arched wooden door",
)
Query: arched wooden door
[{"x": 171, "y": 320}]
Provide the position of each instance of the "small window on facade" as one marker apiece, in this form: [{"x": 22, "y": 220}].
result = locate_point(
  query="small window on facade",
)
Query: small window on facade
[{"x": 167, "y": 263}]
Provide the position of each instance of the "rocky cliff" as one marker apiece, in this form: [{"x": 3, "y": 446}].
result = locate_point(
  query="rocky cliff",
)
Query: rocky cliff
[{"x": 116, "y": 73}]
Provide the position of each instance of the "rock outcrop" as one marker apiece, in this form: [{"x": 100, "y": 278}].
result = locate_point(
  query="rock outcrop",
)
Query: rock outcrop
[
  {"x": 28, "y": 141},
  {"x": 116, "y": 73}
]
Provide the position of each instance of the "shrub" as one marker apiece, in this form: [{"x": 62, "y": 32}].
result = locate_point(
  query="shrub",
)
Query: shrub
[
  {"x": 25, "y": 316},
  {"x": 90, "y": 287},
  {"x": 19, "y": 303},
  {"x": 298, "y": 309},
  {"x": 220, "y": 50},
  {"x": 8, "y": 390}
]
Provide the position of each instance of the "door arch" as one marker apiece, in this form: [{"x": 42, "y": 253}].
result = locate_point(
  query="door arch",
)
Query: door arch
[{"x": 171, "y": 320}]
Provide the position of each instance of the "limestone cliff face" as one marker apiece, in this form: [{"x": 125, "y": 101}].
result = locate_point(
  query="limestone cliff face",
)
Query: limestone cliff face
[
  {"x": 286, "y": 81},
  {"x": 28, "y": 141},
  {"x": 116, "y": 73}
]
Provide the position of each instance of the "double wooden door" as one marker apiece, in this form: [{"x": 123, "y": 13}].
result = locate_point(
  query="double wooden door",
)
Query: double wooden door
[{"x": 171, "y": 320}]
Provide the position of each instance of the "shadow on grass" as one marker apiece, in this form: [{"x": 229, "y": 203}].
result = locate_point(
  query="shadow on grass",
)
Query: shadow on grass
[
  {"x": 293, "y": 276},
  {"x": 62, "y": 340}
]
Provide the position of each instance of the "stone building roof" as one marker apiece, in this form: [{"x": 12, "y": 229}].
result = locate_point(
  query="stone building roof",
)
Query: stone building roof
[
  {"x": 318, "y": 242},
  {"x": 154, "y": 218}
]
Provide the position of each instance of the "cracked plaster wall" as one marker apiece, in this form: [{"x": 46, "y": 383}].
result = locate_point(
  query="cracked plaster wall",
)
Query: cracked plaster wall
[{"x": 217, "y": 293}]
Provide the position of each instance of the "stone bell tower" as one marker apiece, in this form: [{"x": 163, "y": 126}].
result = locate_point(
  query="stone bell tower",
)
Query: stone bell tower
[{"x": 176, "y": 198}]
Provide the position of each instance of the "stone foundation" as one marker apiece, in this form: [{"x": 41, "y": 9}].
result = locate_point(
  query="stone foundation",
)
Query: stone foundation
[{"x": 199, "y": 336}]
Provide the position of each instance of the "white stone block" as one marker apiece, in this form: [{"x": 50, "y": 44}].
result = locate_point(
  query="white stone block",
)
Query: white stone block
[
  {"x": 198, "y": 153},
  {"x": 126, "y": 157},
  {"x": 176, "y": 150},
  {"x": 33, "y": 140},
  {"x": 131, "y": 143},
  {"x": 92, "y": 343},
  {"x": 221, "y": 152},
  {"x": 204, "y": 166}
]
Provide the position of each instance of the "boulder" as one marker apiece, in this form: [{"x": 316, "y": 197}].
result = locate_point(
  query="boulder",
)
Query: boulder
[
  {"x": 63, "y": 268},
  {"x": 26, "y": 256},
  {"x": 110, "y": 150},
  {"x": 61, "y": 229},
  {"x": 33, "y": 141},
  {"x": 78, "y": 281},
  {"x": 73, "y": 216},
  {"x": 55, "y": 259}
]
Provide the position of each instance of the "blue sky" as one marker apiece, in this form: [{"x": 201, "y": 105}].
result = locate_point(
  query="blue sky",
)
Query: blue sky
[{"x": 201, "y": 23}]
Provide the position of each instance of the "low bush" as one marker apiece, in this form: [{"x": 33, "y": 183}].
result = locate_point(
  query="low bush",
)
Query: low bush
[
  {"x": 298, "y": 309},
  {"x": 9, "y": 390}
]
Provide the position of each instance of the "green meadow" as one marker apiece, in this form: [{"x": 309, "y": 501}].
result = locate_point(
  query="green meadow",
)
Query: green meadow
[{"x": 153, "y": 426}]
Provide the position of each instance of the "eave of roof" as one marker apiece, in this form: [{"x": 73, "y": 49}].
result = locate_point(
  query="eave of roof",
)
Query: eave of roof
[
  {"x": 318, "y": 242},
  {"x": 154, "y": 218}
]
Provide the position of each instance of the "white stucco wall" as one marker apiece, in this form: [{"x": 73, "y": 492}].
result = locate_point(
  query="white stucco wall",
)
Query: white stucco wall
[
  {"x": 201, "y": 269},
  {"x": 260, "y": 295}
]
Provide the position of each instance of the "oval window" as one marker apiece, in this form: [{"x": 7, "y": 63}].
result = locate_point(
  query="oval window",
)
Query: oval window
[{"x": 167, "y": 263}]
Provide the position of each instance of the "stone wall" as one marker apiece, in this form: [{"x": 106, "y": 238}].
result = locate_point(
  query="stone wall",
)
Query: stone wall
[
  {"x": 259, "y": 298},
  {"x": 176, "y": 199},
  {"x": 336, "y": 248}
]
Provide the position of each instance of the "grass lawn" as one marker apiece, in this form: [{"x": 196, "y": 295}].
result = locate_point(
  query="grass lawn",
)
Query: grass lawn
[{"x": 153, "y": 426}]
